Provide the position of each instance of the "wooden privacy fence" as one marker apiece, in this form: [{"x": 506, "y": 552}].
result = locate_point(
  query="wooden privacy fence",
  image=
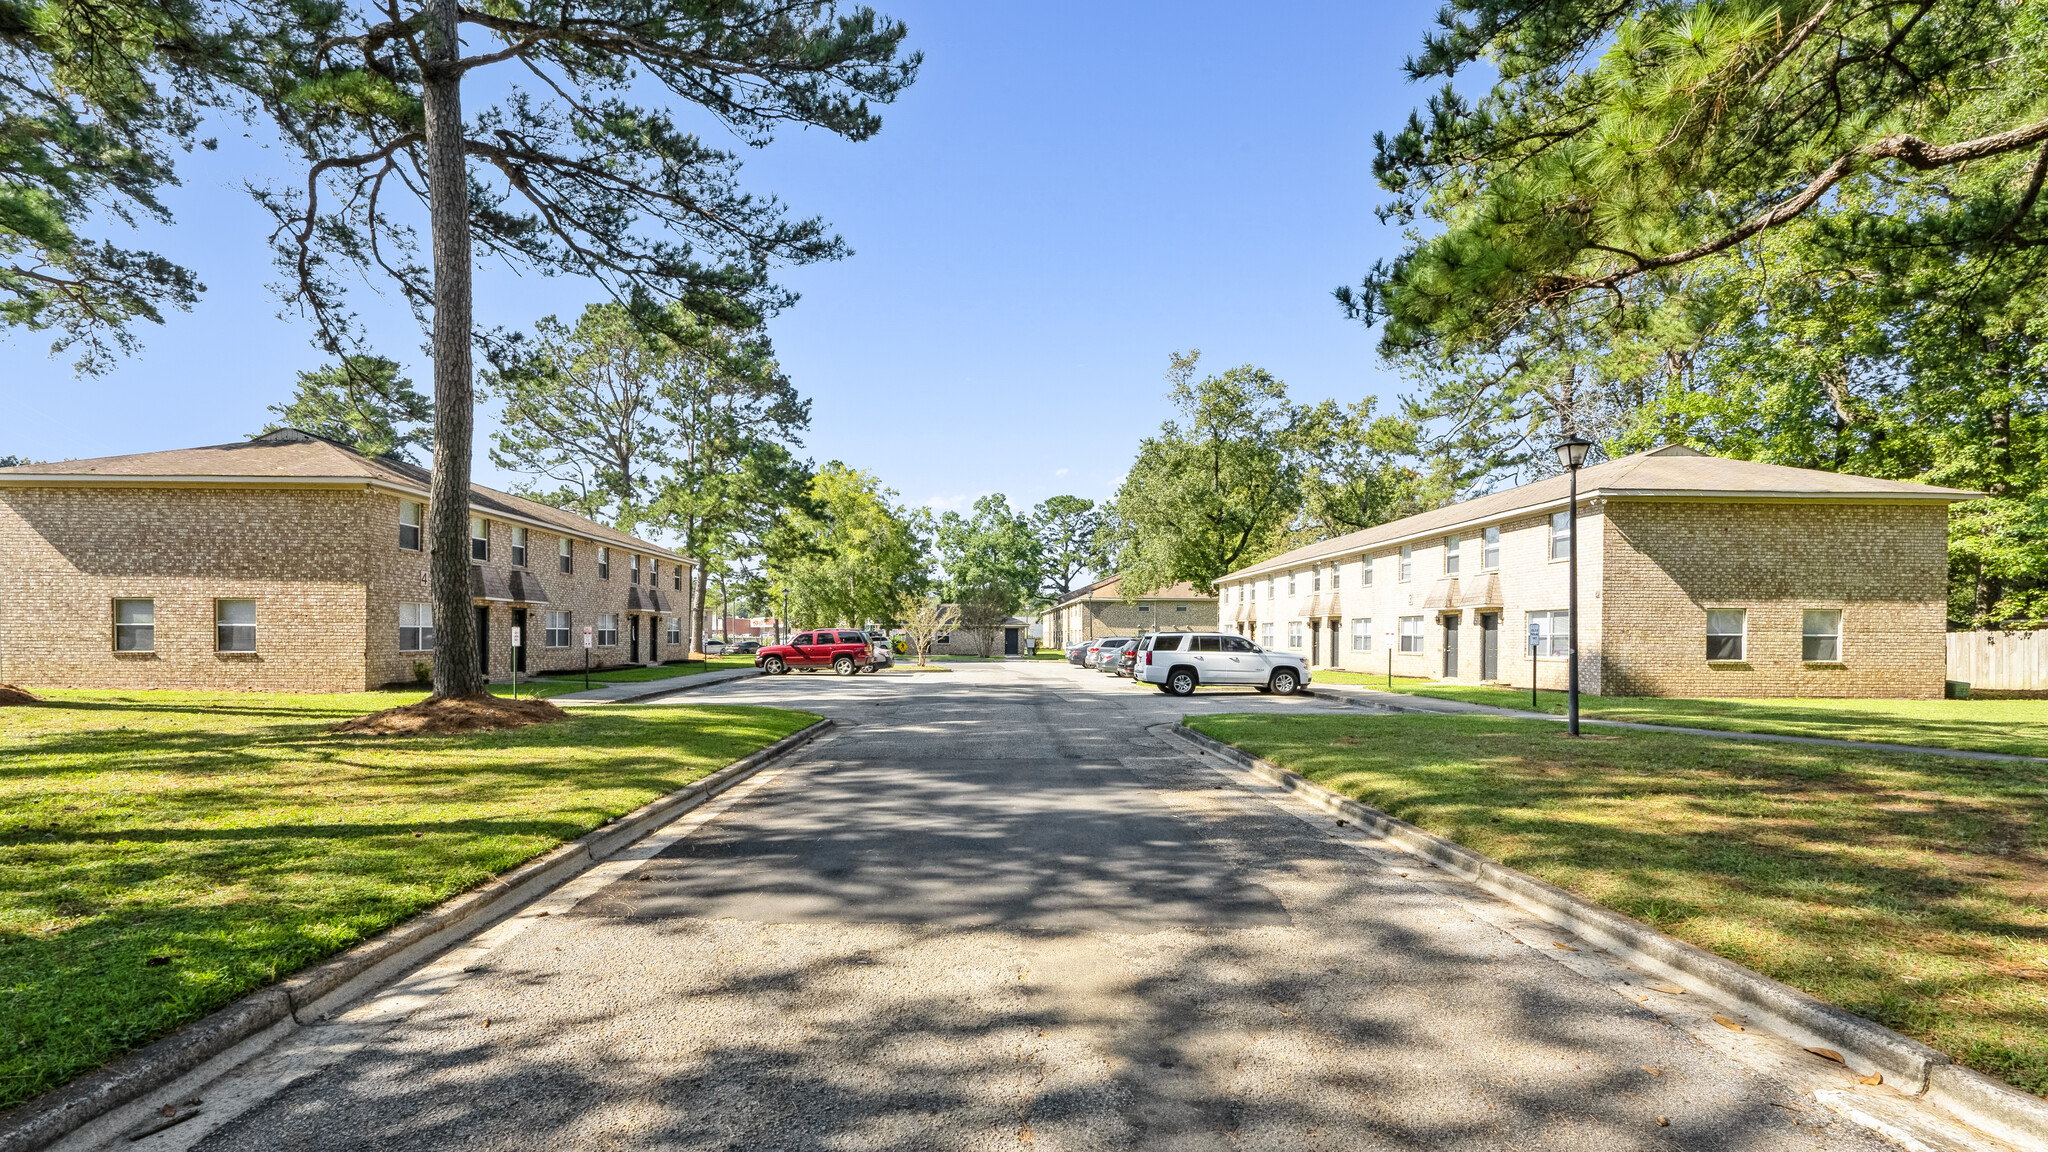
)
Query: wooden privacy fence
[{"x": 2009, "y": 661}]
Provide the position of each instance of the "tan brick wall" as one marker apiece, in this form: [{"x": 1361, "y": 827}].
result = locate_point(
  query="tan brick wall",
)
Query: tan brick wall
[
  {"x": 1093, "y": 619},
  {"x": 1885, "y": 567},
  {"x": 70, "y": 552}
]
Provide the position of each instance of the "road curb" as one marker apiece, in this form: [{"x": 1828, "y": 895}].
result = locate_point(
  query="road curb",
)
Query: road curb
[
  {"x": 53, "y": 1115},
  {"x": 1908, "y": 1065}
]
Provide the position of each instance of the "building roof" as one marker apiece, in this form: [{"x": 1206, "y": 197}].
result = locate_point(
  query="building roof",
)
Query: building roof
[
  {"x": 293, "y": 458},
  {"x": 1111, "y": 588},
  {"x": 1670, "y": 472}
]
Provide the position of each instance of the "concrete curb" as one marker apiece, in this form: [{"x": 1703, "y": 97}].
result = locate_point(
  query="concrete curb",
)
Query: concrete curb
[
  {"x": 1908, "y": 1065},
  {"x": 49, "y": 1117}
]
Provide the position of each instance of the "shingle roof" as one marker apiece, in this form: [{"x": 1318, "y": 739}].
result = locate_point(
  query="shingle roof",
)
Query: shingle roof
[
  {"x": 1111, "y": 588},
  {"x": 1671, "y": 471},
  {"x": 289, "y": 454}
]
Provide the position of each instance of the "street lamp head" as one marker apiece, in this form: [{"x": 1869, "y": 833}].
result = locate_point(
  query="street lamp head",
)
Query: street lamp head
[{"x": 1572, "y": 452}]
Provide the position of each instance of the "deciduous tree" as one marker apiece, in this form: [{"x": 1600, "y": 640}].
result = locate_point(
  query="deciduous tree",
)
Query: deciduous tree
[{"x": 993, "y": 547}]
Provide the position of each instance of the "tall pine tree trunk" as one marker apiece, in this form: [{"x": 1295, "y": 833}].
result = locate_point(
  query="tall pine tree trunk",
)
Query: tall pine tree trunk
[{"x": 457, "y": 672}]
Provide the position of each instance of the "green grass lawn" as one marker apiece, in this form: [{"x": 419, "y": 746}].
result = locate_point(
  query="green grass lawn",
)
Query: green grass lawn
[
  {"x": 658, "y": 672},
  {"x": 162, "y": 853},
  {"x": 2019, "y": 726},
  {"x": 1910, "y": 889}
]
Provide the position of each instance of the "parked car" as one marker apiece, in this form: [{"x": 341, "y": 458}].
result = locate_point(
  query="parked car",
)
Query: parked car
[
  {"x": 1094, "y": 650},
  {"x": 1179, "y": 662},
  {"x": 1126, "y": 659},
  {"x": 713, "y": 647},
  {"x": 1077, "y": 654},
  {"x": 744, "y": 647},
  {"x": 843, "y": 650},
  {"x": 1110, "y": 653}
]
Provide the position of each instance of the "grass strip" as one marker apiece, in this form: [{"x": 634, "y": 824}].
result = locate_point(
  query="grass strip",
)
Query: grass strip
[
  {"x": 2016, "y": 726},
  {"x": 163, "y": 853},
  {"x": 1910, "y": 889}
]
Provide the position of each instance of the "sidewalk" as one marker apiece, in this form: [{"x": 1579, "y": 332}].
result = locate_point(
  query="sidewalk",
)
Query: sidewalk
[
  {"x": 1401, "y": 702},
  {"x": 627, "y": 693}
]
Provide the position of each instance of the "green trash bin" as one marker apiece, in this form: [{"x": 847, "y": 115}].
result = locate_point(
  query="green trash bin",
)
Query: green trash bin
[{"x": 1956, "y": 689}]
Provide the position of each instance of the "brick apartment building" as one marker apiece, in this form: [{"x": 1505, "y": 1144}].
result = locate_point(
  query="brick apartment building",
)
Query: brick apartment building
[
  {"x": 291, "y": 563},
  {"x": 1099, "y": 609},
  {"x": 1698, "y": 576}
]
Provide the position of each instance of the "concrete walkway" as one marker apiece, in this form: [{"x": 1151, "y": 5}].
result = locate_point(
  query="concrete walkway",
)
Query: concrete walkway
[
  {"x": 1401, "y": 702},
  {"x": 623, "y": 693}
]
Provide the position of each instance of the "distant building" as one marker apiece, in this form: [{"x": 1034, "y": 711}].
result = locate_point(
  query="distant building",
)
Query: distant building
[
  {"x": 1099, "y": 609},
  {"x": 292, "y": 563},
  {"x": 1698, "y": 576}
]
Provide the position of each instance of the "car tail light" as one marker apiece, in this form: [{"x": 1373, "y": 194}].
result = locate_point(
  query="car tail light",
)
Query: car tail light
[{"x": 1148, "y": 658}]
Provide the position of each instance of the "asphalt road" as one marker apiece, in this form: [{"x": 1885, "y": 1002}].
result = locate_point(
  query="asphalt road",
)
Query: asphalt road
[{"x": 996, "y": 912}]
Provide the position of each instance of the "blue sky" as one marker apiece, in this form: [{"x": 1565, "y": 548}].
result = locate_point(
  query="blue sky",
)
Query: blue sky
[{"x": 1069, "y": 193}]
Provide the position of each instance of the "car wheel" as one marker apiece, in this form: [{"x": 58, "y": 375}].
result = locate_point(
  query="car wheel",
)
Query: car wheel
[
  {"x": 1285, "y": 682},
  {"x": 844, "y": 665},
  {"x": 774, "y": 666},
  {"x": 1181, "y": 682}
]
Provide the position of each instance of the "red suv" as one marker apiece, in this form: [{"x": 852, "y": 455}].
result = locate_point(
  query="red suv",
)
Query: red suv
[{"x": 845, "y": 651}]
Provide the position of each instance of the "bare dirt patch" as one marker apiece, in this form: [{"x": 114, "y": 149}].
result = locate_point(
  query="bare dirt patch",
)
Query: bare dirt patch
[
  {"x": 9, "y": 694},
  {"x": 442, "y": 716}
]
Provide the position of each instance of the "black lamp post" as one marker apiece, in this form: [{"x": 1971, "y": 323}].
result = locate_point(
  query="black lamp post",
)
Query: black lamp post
[{"x": 1571, "y": 452}]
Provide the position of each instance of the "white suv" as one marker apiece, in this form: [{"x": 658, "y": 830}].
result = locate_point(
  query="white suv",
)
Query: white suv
[{"x": 1180, "y": 662}]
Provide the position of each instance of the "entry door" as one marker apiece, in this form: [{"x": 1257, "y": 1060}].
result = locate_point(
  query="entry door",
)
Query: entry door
[
  {"x": 1009, "y": 641},
  {"x": 1489, "y": 645},
  {"x": 1451, "y": 622},
  {"x": 483, "y": 638},
  {"x": 1315, "y": 642},
  {"x": 525, "y": 638},
  {"x": 635, "y": 658}
]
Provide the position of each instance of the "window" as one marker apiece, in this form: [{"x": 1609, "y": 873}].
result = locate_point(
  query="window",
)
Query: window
[
  {"x": 1411, "y": 633},
  {"x": 518, "y": 547},
  {"x": 1294, "y": 634},
  {"x": 604, "y": 563},
  {"x": 1560, "y": 535},
  {"x": 134, "y": 625},
  {"x": 234, "y": 625},
  {"x": 409, "y": 524},
  {"x": 1269, "y": 587},
  {"x": 415, "y": 627},
  {"x": 1205, "y": 644},
  {"x": 1237, "y": 644},
  {"x": 1489, "y": 548},
  {"x": 1727, "y": 631},
  {"x": 1553, "y": 632},
  {"x": 1166, "y": 643},
  {"x": 1451, "y": 555},
  {"x": 565, "y": 558},
  {"x": 1821, "y": 635},
  {"x": 1290, "y": 583},
  {"x": 633, "y": 567},
  {"x": 1366, "y": 566},
  {"x": 1361, "y": 634},
  {"x": 558, "y": 633},
  {"x": 679, "y": 577},
  {"x": 1315, "y": 578},
  {"x": 479, "y": 538},
  {"x": 1336, "y": 576},
  {"x": 608, "y": 630},
  {"x": 1144, "y": 607},
  {"x": 800, "y": 641},
  {"x": 675, "y": 630},
  {"x": 1407, "y": 562},
  {"x": 1180, "y": 608}
]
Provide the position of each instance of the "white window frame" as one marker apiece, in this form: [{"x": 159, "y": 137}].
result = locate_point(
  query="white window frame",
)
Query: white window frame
[
  {"x": 675, "y": 630},
  {"x": 1407, "y": 571},
  {"x": 1337, "y": 576},
  {"x": 1489, "y": 549},
  {"x": 633, "y": 567},
  {"x": 1315, "y": 577},
  {"x": 608, "y": 630},
  {"x": 1294, "y": 635},
  {"x": 559, "y": 631},
  {"x": 1561, "y": 535},
  {"x": 1453, "y": 560},
  {"x": 1270, "y": 581},
  {"x": 1413, "y": 639},
  {"x": 423, "y": 634},
  {"x": 479, "y": 540},
  {"x": 518, "y": 546},
  {"x": 565, "y": 555},
  {"x": 1290, "y": 585},
  {"x": 219, "y": 625},
  {"x": 1366, "y": 565},
  {"x": 143, "y": 633},
  {"x": 604, "y": 562},
  {"x": 1806, "y": 633},
  {"x": 1361, "y": 633},
  {"x": 418, "y": 512},
  {"x": 1741, "y": 638},
  {"x": 1553, "y": 632}
]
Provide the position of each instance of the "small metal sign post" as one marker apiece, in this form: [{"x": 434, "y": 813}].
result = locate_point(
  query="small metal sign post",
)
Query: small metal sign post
[
  {"x": 1535, "y": 639},
  {"x": 515, "y": 663},
  {"x": 586, "y": 657},
  {"x": 1387, "y": 642}
]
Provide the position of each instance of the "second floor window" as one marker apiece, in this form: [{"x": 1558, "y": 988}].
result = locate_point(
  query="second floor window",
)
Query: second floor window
[
  {"x": 1290, "y": 583},
  {"x": 519, "y": 547},
  {"x": 565, "y": 558},
  {"x": 1560, "y": 535},
  {"x": 1489, "y": 548},
  {"x": 604, "y": 563},
  {"x": 1451, "y": 558},
  {"x": 679, "y": 577},
  {"x": 1407, "y": 561},
  {"x": 1365, "y": 567},
  {"x": 633, "y": 563},
  {"x": 1315, "y": 578},
  {"x": 479, "y": 538},
  {"x": 409, "y": 517},
  {"x": 1336, "y": 577}
]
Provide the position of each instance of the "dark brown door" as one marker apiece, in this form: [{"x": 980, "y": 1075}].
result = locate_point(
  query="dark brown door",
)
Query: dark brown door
[
  {"x": 483, "y": 639},
  {"x": 1489, "y": 645},
  {"x": 1451, "y": 622},
  {"x": 635, "y": 621},
  {"x": 525, "y": 638}
]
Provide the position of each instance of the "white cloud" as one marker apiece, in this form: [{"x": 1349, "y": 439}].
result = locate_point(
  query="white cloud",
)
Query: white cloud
[{"x": 1061, "y": 472}]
